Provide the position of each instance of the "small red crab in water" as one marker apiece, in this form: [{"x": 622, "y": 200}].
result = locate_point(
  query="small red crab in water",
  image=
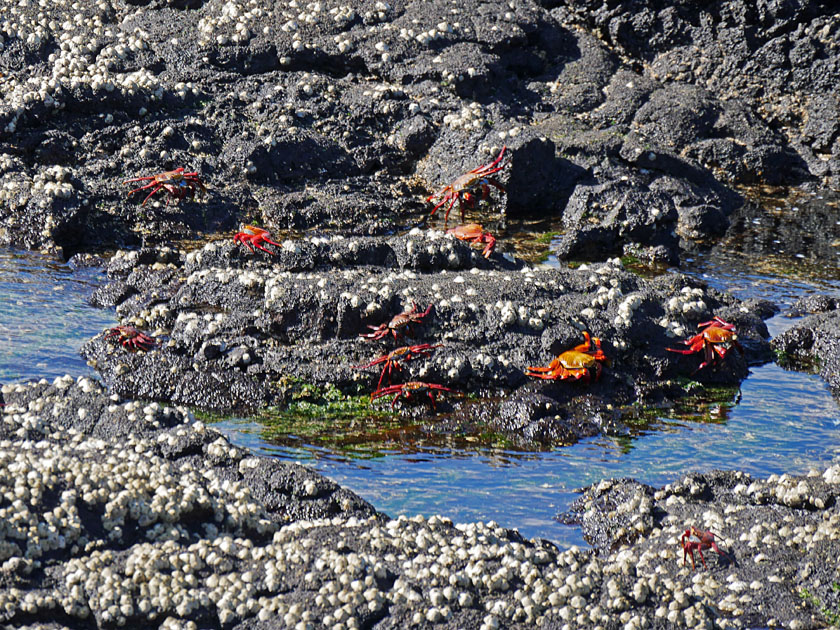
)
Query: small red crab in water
[
  {"x": 397, "y": 323},
  {"x": 131, "y": 339},
  {"x": 460, "y": 189},
  {"x": 474, "y": 233},
  {"x": 394, "y": 359},
  {"x": 406, "y": 390},
  {"x": 254, "y": 237},
  {"x": 576, "y": 363},
  {"x": 704, "y": 540},
  {"x": 715, "y": 340},
  {"x": 177, "y": 183}
]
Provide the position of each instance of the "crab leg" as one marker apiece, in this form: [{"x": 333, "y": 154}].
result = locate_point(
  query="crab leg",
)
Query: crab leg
[
  {"x": 139, "y": 179},
  {"x": 152, "y": 193}
]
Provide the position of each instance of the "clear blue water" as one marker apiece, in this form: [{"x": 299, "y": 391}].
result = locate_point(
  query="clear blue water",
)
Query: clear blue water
[
  {"x": 44, "y": 316},
  {"x": 784, "y": 421}
]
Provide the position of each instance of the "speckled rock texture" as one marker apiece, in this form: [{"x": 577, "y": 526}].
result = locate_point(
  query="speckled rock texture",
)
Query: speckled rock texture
[
  {"x": 345, "y": 117},
  {"x": 768, "y": 532},
  {"x": 231, "y": 327},
  {"x": 628, "y": 125},
  {"x": 118, "y": 514},
  {"x": 814, "y": 342}
]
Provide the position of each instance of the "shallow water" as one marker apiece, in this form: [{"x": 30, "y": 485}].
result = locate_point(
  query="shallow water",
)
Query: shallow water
[
  {"x": 780, "y": 421},
  {"x": 44, "y": 316},
  {"x": 783, "y": 422}
]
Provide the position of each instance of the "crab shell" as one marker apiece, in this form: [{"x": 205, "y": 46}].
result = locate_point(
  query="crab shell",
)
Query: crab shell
[{"x": 576, "y": 364}]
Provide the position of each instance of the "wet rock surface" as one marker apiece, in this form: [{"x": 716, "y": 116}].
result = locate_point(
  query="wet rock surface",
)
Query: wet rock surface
[
  {"x": 129, "y": 514},
  {"x": 627, "y": 125},
  {"x": 768, "y": 532},
  {"x": 814, "y": 343},
  {"x": 335, "y": 117},
  {"x": 251, "y": 322}
]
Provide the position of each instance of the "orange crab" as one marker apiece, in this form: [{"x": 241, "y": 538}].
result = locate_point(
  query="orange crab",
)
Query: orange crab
[
  {"x": 460, "y": 189},
  {"x": 254, "y": 237},
  {"x": 474, "y": 233},
  {"x": 716, "y": 340},
  {"x": 577, "y": 363},
  {"x": 131, "y": 339},
  {"x": 705, "y": 540},
  {"x": 407, "y": 389},
  {"x": 177, "y": 183},
  {"x": 394, "y": 359}
]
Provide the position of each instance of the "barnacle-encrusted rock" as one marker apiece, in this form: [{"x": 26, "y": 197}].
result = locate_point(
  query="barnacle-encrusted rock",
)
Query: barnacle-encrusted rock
[
  {"x": 247, "y": 321},
  {"x": 118, "y": 513}
]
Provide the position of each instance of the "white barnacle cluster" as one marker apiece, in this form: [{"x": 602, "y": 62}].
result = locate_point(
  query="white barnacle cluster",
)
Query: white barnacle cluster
[
  {"x": 604, "y": 295},
  {"x": 510, "y": 314},
  {"x": 199, "y": 276},
  {"x": 251, "y": 279},
  {"x": 426, "y": 37},
  {"x": 52, "y": 183},
  {"x": 88, "y": 50},
  {"x": 130, "y": 256},
  {"x": 343, "y": 14},
  {"x": 156, "y": 315},
  {"x": 276, "y": 286},
  {"x": 435, "y": 244},
  {"x": 504, "y": 134},
  {"x": 14, "y": 191},
  {"x": 9, "y": 162},
  {"x": 689, "y": 301},
  {"x": 187, "y": 322},
  {"x": 194, "y": 258},
  {"x": 230, "y": 22},
  {"x": 343, "y": 42},
  {"x": 470, "y": 116},
  {"x": 626, "y": 309}
]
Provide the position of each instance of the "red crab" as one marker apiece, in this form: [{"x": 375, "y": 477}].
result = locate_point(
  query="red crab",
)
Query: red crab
[
  {"x": 407, "y": 389},
  {"x": 398, "y": 322},
  {"x": 177, "y": 183},
  {"x": 474, "y": 233},
  {"x": 717, "y": 338},
  {"x": 131, "y": 339},
  {"x": 704, "y": 540},
  {"x": 394, "y": 359},
  {"x": 459, "y": 190},
  {"x": 576, "y": 363},
  {"x": 254, "y": 237}
]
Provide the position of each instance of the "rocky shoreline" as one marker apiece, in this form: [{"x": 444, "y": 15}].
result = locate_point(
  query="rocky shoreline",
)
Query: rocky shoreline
[
  {"x": 120, "y": 514},
  {"x": 632, "y": 129}
]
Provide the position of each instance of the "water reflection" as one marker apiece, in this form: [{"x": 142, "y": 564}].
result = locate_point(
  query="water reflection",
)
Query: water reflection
[{"x": 44, "y": 317}]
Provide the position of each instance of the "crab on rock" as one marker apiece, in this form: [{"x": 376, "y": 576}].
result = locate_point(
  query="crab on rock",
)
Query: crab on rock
[
  {"x": 394, "y": 359},
  {"x": 254, "y": 237},
  {"x": 397, "y": 323},
  {"x": 460, "y": 189},
  {"x": 177, "y": 183},
  {"x": 717, "y": 339},
  {"x": 697, "y": 540},
  {"x": 577, "y": 363},
  {"x": 406, "y": 390},
  {"x": 474, "y": 233},
  {"x": 131, "y": 339}
]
